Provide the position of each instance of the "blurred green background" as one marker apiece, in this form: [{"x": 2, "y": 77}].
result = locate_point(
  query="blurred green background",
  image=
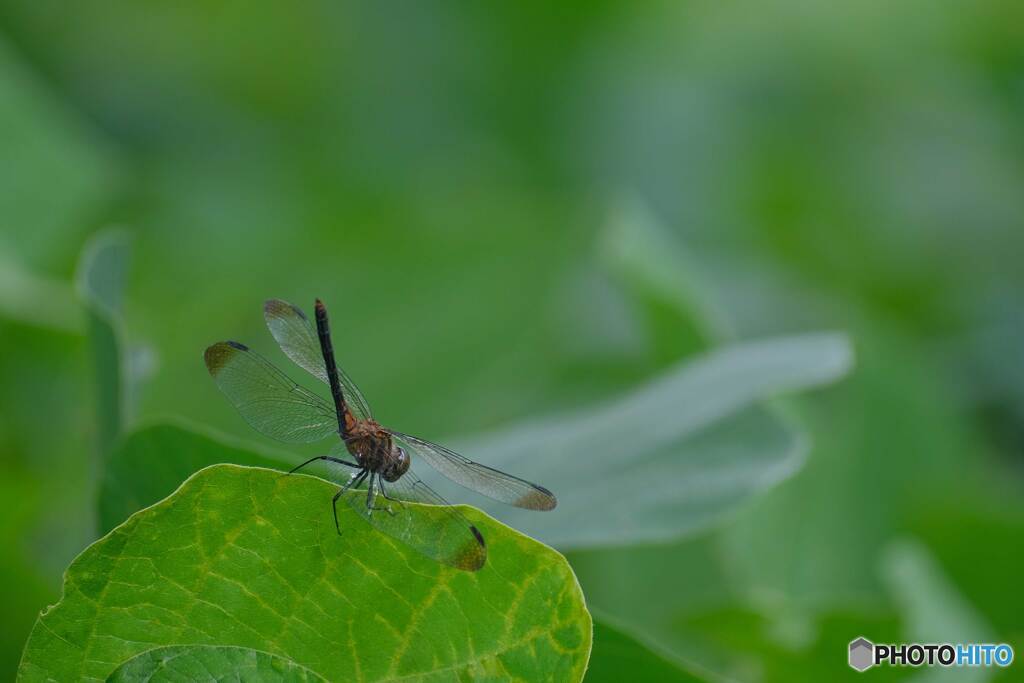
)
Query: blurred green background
[{"x": 449, "y": 178}]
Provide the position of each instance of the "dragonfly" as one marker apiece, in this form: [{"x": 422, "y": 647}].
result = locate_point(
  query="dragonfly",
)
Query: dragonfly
[{"x": 378, "y": 460}]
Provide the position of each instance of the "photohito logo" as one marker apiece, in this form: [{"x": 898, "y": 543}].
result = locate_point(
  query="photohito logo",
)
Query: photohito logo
[{"x": 864, "y": 654}]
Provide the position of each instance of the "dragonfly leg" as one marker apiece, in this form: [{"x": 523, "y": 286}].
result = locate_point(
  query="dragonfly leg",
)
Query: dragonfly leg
[
  {"x": 340, "y": 461},
  {"x": 383, "y": 492},
  {"x": 371, "y": 497},
  {"x": 322, "y": 457},
  {"x": 377, "y": 487},
  {"x": 355, "y": 480}
]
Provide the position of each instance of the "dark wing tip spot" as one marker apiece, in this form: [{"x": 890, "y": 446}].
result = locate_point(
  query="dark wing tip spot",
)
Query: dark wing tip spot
[
  {"x": 279, "y": 306},
  {"x": 537, "y": 499},
  {"x": 473, "y": 557},
  {"x": 217, "y": 355},
  {"x": 237, "y": 345}
]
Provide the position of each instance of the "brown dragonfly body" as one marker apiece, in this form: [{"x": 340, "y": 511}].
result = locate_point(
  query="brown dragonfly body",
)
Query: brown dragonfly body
[
  {"x": 365, "y": 439},
  {"x": 373, "y": 448},
  {"x": 380, "y": 457}
]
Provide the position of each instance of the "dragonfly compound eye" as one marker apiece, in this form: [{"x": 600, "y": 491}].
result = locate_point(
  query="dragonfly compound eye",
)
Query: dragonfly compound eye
[{"x": 398, "y": 466}]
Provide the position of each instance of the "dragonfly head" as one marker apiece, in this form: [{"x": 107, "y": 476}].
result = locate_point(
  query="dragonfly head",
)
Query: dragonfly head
[{"x": 398, "y": 466}]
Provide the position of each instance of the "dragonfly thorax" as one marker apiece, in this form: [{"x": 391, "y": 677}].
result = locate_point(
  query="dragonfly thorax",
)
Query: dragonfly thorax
[{"x": 374, "y": 449}]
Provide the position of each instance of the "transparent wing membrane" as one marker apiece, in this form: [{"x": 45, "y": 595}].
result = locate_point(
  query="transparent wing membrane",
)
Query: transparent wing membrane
[
  {"x": 295, "y": 335},
  {"x": 480, "y": 478},
  {"x": 266, "y": 398},
  {"x": 433, "y": 527}
]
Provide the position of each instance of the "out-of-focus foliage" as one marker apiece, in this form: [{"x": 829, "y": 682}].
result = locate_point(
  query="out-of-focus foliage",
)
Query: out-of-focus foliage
[
  {"x": 528, "y": 211},
  {"x": 674, "y": 455}
]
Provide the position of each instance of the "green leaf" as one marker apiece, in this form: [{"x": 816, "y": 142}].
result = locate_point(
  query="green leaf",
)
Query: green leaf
[
  {"x": 249, "y": 558},
  {"x": 619, "y": 656},
  {"x": 673, "y": 456},
  {"x": 209, "y": 663},
  {"x": 150, "y": 462}
]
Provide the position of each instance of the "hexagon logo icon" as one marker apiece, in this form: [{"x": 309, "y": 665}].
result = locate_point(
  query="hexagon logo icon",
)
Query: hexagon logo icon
[{"x": 862, "y": 653}]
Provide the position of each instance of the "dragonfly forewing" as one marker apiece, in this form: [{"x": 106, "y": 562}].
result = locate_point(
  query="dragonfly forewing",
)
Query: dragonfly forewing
[{"x": 266, "y": 398}]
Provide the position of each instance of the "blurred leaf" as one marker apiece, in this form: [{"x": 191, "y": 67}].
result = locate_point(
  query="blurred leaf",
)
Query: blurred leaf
[
  {"x": 103, "y": 270},
  {"x": 932, "y": 607},
  {"x": 960, "y": 533},
  {"x": 617, "y": 656},
  {"x": 618, "y": 581},
  {"x": 245, "y": 557},
  {"x": 101, "y": 275},
  {"x": 894, "y": 421},
  {"x": 209, "y": 663},
  {"x": 148, "y": 463},
  {"x": 700, "y": 619},
  {"x": 37, "y": 300},
  {"x": 673, "y": 456}
]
